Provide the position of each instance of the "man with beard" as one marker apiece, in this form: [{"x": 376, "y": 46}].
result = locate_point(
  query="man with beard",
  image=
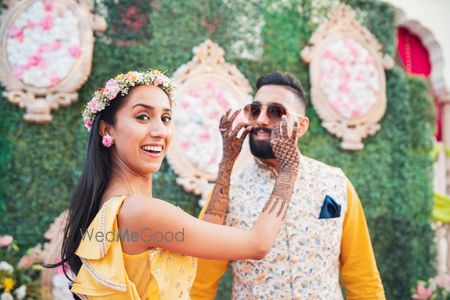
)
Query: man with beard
[{"x": 325, "y": 236}]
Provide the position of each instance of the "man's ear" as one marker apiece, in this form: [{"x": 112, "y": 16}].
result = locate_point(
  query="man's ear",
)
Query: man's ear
[{"x": 303, "y": 126}]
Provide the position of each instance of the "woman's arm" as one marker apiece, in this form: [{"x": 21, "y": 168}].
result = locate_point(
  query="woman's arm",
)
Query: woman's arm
[
  {"x": 160, "y": 224},
  {"x": 232, "y": 145}
]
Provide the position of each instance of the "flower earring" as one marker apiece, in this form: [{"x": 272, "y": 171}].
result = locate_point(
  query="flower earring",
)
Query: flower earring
[{"x": 107, "y": 140}]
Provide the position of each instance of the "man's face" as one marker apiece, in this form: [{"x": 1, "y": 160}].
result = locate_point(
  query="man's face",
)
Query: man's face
[{"x": 273, "y": 101}]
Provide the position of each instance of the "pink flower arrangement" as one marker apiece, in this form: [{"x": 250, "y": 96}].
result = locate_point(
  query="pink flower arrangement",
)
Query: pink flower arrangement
[
  {"x": 435, "y": 288},
  {"x": 121, "y": 84},
  {"x": 112, "y": 88},
  {"x": 349, "y": 78},
  {"x": 422, "y": 293},
  {"x": 6, "y": 240},
  {"x": 40, "y": 66},
  {"x": 88, "y": 122},
  {"x": 205, "y": 103}
]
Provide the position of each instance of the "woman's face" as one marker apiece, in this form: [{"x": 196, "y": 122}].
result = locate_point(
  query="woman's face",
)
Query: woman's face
[{"x": 142, "y": 131}]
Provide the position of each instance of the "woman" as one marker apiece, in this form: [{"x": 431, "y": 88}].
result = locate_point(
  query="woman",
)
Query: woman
[{"x": 120, "y": 241}]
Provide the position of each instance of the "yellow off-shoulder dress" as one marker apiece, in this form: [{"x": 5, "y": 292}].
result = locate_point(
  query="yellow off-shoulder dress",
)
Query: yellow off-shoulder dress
[{"x": 109, "y": 273}]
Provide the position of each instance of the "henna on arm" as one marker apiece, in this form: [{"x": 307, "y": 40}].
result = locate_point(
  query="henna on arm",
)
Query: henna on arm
[
  {"x": 287, "y": 155},
  {"x": 232, "y": 145}
]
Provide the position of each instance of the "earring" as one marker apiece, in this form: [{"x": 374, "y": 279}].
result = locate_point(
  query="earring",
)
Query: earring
[{"x": 107, "y": 140}]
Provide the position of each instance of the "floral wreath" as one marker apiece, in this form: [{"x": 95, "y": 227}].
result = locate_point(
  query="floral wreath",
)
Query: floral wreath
[{"x": 122, "y": 83}]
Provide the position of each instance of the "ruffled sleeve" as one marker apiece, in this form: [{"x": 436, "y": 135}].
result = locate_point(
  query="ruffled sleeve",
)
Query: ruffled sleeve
[{"x": 102, "y": 274}]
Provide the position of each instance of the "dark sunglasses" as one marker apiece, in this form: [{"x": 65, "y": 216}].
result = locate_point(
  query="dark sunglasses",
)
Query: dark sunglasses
[{"x": 274, "y": 111}]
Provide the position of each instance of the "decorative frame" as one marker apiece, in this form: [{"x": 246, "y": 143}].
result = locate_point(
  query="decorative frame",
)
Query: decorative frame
[
  {"x": 207, "y": 87},
  {"x": 347, "y": 78},
  {"x": 46, "y": 53}
]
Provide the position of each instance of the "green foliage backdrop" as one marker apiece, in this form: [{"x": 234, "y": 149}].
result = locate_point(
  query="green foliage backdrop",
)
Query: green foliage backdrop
[{"x": 40, "y": 164}]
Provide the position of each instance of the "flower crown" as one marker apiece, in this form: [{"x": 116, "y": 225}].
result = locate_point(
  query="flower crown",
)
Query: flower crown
[{"x": 122, "y": 83}]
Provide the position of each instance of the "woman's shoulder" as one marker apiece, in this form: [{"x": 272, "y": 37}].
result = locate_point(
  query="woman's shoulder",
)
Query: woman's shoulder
[{"x": 138, "y": 211}]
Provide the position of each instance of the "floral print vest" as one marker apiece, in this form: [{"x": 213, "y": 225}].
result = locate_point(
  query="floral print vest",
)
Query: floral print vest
[{"x": 304, "y": 260}]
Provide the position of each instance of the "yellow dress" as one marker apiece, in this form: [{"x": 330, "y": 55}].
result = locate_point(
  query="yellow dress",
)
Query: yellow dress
[{"x": 108, "y": 273}]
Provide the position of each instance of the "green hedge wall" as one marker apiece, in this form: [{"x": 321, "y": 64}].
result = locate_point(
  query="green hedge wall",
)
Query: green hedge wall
[{"x": 40, "y": 164}]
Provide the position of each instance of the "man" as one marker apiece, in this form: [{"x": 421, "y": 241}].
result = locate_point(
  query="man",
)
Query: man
[{"x": 325, "y": 235}]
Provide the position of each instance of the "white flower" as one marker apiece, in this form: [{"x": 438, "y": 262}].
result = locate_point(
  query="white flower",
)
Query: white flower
[
  {"x": 6, "y": 296},
  {"x": 61, "y": 288},
  {"x": 21, "y": 292},
  {"x": 4, "y": 266}
]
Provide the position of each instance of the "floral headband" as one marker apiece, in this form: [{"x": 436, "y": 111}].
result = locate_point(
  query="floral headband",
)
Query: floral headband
[{"x": 122, "y": 83}]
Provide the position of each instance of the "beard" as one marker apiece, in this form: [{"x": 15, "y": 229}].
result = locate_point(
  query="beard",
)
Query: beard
[{"x": 261, "y": 149}]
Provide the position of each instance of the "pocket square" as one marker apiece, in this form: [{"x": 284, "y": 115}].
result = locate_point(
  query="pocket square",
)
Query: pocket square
[{"x": 330, "y": 209}]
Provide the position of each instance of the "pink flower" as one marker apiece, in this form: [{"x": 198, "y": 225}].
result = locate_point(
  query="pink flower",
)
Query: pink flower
[
  {"x": 186, "y": 145},
  {"x": 356, "y": 113},
  {"x": 112, "y": 89},
  {"x": 75, "y": 51},
  {"x": 107, "y": 141},
  {"x": 31, "y": 25},
  {"x": 443, "y": 281},
  {"x": 34, "y": 60},
  {"x": 88, "y": 123},
  {"x": 60, "y": 268},
  {"x": 48, "y": 5},
  {"x": 55, "y": 80},
  {"x": 205, "y": 136},
  {"x": 343, "y": 88},
  {"x": 56, "y": 45},
  {"x": 92, "y": 105},
  {"x": 47, "y": 22},
  {"x": 5, "y": 240},
  {"x": 160, "y": 79},
  {"x": 16, "y": 33},
  {"x": 25, "y": 262},
  {"x": 423, "y": 293}
]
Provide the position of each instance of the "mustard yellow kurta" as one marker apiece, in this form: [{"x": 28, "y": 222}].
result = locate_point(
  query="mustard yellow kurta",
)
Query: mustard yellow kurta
[
  {"x": 108, "y": 273},
  {"x": 358, "y": 268}
]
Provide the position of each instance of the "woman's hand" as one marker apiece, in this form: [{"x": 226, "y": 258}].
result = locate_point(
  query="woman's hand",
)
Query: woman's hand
[
  {"x": 285, "y": 147},
  {"x": 232, "y": 144}
]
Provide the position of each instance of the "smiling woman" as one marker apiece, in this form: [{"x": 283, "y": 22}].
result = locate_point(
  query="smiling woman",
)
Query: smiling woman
[{"x": 130, "y": 132}]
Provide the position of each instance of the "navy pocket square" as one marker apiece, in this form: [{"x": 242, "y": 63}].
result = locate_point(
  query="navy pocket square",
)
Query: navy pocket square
[{"x": 330, "y": 209}]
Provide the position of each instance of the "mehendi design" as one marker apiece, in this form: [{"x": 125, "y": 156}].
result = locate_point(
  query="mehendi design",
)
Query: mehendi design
[
  {"x": 287, "y": 155},
  {"x": 232, "y": 145}
]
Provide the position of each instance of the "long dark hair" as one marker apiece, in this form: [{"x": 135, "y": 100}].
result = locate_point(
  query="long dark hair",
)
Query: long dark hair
[{"x": 86, "y": 198}]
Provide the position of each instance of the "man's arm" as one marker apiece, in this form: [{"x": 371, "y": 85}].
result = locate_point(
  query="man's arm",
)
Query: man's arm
[
  {"x": 359, "y": 271},
  {"x": 209, "y": 272}
]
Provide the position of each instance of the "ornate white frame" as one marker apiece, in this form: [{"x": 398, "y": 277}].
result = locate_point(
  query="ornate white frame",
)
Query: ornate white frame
[
  {"x": 208, "y": 63},
  {"x": 39, "y": 101},
  {"x": 343, "y": 23}
]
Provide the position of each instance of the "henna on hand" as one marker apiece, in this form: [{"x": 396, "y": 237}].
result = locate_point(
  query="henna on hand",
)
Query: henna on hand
[
  {"x": 287, "y": 155},
  {"x": 232, "y": 145},
  {"x": 285, "y": 147}
]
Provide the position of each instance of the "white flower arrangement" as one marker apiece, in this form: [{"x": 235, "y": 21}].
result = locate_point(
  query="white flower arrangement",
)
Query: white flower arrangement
[
  {"x": 43, "y": 44},
  {"x": 349, "y": 77}
]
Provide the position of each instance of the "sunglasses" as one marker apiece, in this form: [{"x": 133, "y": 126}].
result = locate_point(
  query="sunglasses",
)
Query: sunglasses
[{"x": 274, "y": 111}]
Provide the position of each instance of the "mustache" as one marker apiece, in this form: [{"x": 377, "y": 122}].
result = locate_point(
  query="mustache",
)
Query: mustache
[{"x": 265, "y": 129}]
